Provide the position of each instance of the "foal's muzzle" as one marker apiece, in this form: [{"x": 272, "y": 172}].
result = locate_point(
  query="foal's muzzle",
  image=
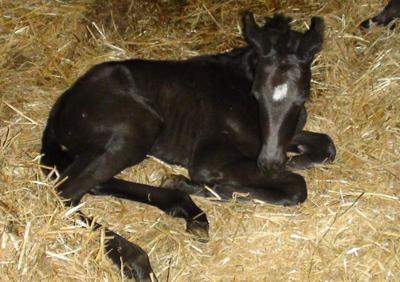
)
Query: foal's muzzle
[{"x": 272, "y": 161}]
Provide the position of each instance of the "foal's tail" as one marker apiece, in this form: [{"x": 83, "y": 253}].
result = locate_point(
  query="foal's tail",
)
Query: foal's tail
[{"x": 52, "y": 152}]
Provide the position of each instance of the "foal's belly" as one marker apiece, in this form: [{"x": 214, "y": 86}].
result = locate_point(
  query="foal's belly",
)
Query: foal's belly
[
  {"x": 171, "y": 154},
  {"x": 175, "y": 143}
]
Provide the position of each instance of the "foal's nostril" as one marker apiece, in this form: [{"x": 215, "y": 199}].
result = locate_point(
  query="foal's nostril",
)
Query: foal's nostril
[
  {"x": 271, "y": 160},
  {"x": 262, "y": 165},
  {"x": 272, "y": 166}
]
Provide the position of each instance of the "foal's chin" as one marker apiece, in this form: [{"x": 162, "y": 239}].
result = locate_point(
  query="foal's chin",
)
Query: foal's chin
[{"x": 272, "y": 169}]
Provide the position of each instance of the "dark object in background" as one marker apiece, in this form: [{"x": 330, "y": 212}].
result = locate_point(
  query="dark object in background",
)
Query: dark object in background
[{"x": 389, "y": 13}]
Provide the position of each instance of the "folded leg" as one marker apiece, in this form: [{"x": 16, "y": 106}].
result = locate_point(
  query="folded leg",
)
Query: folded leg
[
  {"x": 313, "y": 148},
  {"x": 227, "y": 171}
]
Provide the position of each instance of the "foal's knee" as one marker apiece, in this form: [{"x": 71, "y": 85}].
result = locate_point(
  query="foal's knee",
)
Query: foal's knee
[{"x": 178, "y": 204}]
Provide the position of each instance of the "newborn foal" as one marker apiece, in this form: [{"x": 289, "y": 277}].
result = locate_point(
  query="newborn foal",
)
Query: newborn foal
[{"x": 230, "y": 119}]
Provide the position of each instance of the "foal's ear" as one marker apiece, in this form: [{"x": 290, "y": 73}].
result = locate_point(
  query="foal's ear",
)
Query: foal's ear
[
  {"x": 252, "y": 32},
  {"x": 312, "y": 40}
]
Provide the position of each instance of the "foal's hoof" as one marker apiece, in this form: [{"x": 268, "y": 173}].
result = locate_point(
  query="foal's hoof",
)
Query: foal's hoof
[
  {"x": 199, "y": 229},
  {"x": 331, "y": 153},
  {"x": 366, "y": 24},
  {"x": 135, "y": 261}
]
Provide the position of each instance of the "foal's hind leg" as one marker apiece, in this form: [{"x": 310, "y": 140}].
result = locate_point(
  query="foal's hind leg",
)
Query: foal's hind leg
[
  {"x": 96, "y": 167},
  {"x": 174, "y": 202},
  {"x": 313, "y": 147},
  {"x": 135, "y": 261}
]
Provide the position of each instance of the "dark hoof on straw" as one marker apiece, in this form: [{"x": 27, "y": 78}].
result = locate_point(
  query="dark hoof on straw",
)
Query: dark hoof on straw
[
  {"x": 366, "y": 24},
  {"x": 135, "y": 261},
  {"x": 198, "y": 229}
]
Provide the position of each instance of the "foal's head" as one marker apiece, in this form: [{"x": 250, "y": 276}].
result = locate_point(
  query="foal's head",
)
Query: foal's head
[{"x": 281, "y": 81}]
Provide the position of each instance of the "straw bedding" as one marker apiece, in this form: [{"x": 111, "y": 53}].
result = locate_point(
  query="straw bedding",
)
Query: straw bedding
[{"x": 347, "y": 230}]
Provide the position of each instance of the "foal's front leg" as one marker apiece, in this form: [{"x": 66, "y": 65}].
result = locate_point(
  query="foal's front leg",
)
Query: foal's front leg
[
  {"x": 314, "y": 148},
  {"x": 227, "y": 171}
]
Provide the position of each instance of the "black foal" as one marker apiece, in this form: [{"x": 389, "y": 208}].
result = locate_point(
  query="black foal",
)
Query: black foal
[{"x": 230, "y": 119}]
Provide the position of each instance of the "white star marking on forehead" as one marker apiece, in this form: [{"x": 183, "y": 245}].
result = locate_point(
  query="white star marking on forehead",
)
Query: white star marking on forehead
[{"x": 280, "y": 92}]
